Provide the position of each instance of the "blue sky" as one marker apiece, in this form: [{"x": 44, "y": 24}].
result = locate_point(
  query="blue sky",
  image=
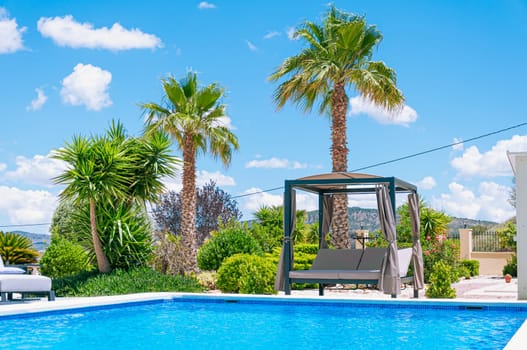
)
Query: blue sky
[{"x": 70, "y": 67}]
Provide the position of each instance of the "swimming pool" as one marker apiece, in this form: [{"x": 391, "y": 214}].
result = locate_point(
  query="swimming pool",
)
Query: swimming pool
[{"x": 193, "y": 322}]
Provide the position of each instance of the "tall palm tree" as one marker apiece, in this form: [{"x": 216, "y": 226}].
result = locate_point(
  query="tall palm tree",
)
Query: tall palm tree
[
  {"x": 338, "y": 56},
  {"x": 193, "y": 117}
]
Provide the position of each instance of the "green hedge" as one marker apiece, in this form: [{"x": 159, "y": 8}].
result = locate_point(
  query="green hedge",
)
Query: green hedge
[
  {"x": 139, "y": 280},
  {"x": 230, "y": 241},
  {"x": 472, "y": 266},
  {"x": 247, "y": 274}
]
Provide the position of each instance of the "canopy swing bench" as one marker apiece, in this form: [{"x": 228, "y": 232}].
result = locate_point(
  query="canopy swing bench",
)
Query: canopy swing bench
[{"x": 384, "y": 267}]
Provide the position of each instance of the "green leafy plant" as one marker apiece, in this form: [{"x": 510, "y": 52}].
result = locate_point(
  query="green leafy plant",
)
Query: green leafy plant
[
  {"x": 472, "y": 266},
  {"x": 125, "y": 234},
  {"x": 440, "y": 249},
  {"x": 139, "y": 280},
  {"x": 17, "y": 249},
  {"x": 64, "y": 258},
  {"x": 511, "y": 267},
  {"x": 247, "y": 274},
  {"x": 440, "y": 282},
  {"x": 230, "y": 240}
]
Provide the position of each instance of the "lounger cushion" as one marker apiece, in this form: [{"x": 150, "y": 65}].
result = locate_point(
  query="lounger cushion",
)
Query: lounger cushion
[
  {"x": 405, "y": 256},
  {"x": 372, "y": 259},
  {"x": 24, "y": 283},
  {"x": 11, "y": 271},
  {"x": 337, "y": 259}
]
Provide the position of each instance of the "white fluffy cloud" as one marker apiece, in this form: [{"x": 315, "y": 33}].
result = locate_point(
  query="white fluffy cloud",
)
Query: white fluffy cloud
[
  {"x": 271, "y": 35},
  {"x": 206, "y": 5},
  {"x": 458, "y": 144},
  {"x": 10, "y": 33},
  {"x": 203, "y": 177},
  {"x": 257, "y": 199},
  {"x": 38, "y": 102},
  {"x": 491, "y": 163},
  {"x": 275, "y": 163},
  {"x": 362, "y": 105},
  {"x": 65, "y": 31},
  {"x": 489, "y": 203},
  {"x": 38, "y": 170},
  {"x": 226, "y": 122},
  {"x": 427, "y": 183},
  {"x": 26, "y": 207},
  {"x": 251, "y": 46},
  {"x": 87, "y": 85},
  {"x": 291, "y": 33}
]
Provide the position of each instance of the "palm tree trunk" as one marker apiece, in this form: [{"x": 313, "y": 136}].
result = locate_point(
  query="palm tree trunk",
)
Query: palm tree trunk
[
  {"x": 188, "y": 206},
  {"x": 102, "y": 261},
  {"x": 340, "y": 237}
]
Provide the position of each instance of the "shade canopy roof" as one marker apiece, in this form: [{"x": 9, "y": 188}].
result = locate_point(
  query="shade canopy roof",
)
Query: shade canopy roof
[{"x": 348, "y": 183}]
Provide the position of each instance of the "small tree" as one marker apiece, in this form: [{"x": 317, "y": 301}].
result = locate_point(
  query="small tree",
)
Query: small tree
[
  {"x": 268, "y": 229},
  {"x": 213, "y": 206}
]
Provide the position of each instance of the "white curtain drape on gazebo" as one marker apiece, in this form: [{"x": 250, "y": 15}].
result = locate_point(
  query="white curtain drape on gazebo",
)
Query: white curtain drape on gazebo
[
  {"x": 327, "y": 217},
  {"x": 279, "y": 283},
  {"x": 417, "y": 251},
  {"x": 390, "y": 281}
]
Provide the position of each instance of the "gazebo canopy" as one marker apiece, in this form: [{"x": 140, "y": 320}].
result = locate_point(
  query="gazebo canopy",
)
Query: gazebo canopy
[
  {"x": 355, "y": 183},
  {"x": 325, "y": 186}
]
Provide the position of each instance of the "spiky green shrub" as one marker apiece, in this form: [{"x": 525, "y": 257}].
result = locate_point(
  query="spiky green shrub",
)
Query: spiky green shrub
[
  {"x": 64, "y": 258},
  {"x": 137, "y": 280},
  {"x": 17, "y": 249},
  {"x": 125, "y": 233},
  {"x": 246, "y": 274},
  {"x": 440, "y": 282},
  {"x": 231, "y": 240}
]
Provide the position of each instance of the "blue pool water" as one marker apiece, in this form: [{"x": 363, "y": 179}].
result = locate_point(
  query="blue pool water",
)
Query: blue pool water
[{"x": 217, "y": 324}]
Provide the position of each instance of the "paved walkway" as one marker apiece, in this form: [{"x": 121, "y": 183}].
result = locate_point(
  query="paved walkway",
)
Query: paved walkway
[{"x": 477, "y": 288}]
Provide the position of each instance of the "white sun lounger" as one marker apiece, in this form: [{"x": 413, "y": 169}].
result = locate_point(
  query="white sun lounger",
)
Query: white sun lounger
[
  {"x": 25, "y": 284},
  {"x": 9, "y": 270}
]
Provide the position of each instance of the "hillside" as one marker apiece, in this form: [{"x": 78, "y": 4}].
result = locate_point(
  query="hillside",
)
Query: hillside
[
  {"x": 40, "y": 240},
  {"x": 367, "y": 219}
]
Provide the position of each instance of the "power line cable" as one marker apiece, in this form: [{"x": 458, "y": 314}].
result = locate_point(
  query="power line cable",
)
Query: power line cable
[
  {"x": 363, "y": 168},
  {"x": 408, "y": 156}
]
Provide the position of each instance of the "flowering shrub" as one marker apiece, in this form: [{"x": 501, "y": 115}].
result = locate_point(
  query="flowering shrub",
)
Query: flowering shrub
[{"x": 442, "y": 249}]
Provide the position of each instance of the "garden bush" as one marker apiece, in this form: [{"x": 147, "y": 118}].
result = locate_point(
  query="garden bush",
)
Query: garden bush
[
  {"x": 440, "y": 282},
  {"x": 511, "y": 267},
  {"x": 472, "y": 266},
  {"x": 247, "y": 274},
  {"x": 440, "y": 249},
  {"x": 225, "y": 243},
  {"x": 64, "y": 258},
  {"x": 138, "y": 280}
]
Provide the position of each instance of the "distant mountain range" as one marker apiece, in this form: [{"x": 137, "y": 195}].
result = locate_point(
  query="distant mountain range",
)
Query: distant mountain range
[
  {"x": 368, "y": 219},
  {"x": 40, "y": 240}
]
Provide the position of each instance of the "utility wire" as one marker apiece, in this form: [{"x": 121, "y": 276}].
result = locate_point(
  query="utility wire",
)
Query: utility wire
[
  {"x": 408, "y": 156},
  {"x": 440, "y": 148},
  {"x": 363, "y": 168}
]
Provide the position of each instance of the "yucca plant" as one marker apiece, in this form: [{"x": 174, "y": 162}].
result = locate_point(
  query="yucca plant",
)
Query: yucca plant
[
  {"x": 17, "y": 249},
  {"x": 125, "y": 233}
]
